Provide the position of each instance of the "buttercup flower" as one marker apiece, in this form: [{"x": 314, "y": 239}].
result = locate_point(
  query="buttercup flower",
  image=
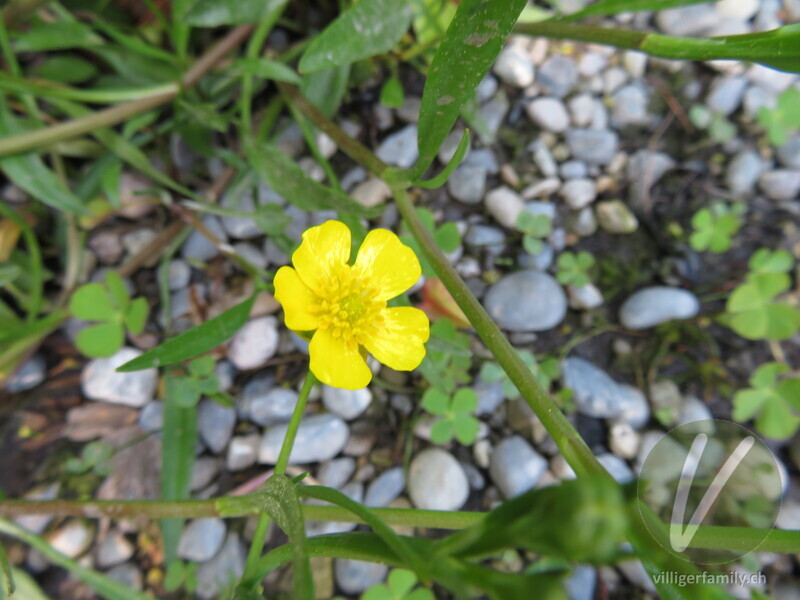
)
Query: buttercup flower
[{"x": 345, "y": 305}]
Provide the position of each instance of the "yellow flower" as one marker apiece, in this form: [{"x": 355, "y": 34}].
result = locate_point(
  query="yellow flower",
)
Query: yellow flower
[{"x": 345, "y": 305}]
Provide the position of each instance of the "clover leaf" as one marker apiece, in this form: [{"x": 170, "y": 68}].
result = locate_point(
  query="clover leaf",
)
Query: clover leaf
[
  {"x": 399, "y": 586},
  {"x": 200, "y": 380},
  {"x": 774, "y": 404},
  {"x": 784, "y": 118},
  {"x": 109, "y": 306},
  {"x": 573, "y": 269},
  {"x": 448, "y": 357},
  {"x": 534, "y": 229},
  {"x": 456, "y": 415},
  {"x": 715, "y": 227},
  {"x": 752, "y": 311}
]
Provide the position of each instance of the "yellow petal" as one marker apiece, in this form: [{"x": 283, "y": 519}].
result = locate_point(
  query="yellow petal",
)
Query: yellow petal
[
  {"x": 337, "y": 364},
  {"x": 297, "y": 300},
  {"x": 324, "y": 249},
  {"x": 400, "y": 341},
  {"x": 389, "y": 263}
]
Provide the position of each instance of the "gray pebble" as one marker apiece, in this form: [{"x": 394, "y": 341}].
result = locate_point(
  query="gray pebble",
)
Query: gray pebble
[
  {"x": 179, "y": 274},
  {"x": 27, "y": 376},
  {"x": 582, "y": 222},
  {"x": 348, "y": 404},
  {"x": 515, "y": 467},
  {"x": 482, "y": 157},
  {"x": 505, "y": 205},
  {"x": 486, "y": 88},
  {"x": 514, "y": 66},
  {"x": 582, "y": 108},
  {"x": 726, "y": 94},
  {"x": 267, "y": 408},
  {"x": 689, "y": 21},
  {"x": 789, "y": 153},
  {"x": 467, "y": 184},
  {"x": 636, "y": 411},
  {"x": 486, "y": 237},
  {"x": 128, "y": 575},
  {"x": 385, "y": 488},
  {"x": 490, "y": 396},
  {"x": 542, "y": 188},
  {"x": 400, "y": 149},
  {"x": 526, "y": 301},
  {"x": 72, "y": 539},
  {"x": 355, "y": 576},
  {"x": 594, "y": 392},
  {"x": 615, "y": 217},
  {"x": 693, "y": 409},
  {"x": 206, "y": 469},
  {"x": 548, "y": 113},
  {"x": 254, "y": 344},
  {"x": 743, "y": 172},
  {"x": 581, "y": 583},
  {"x": 493, "y": 113},
  {"x": 629, "y": 107},
  {"x": 242, "y": 452},
  {"x": 585, "y": 297},
  {"x": 223, "y": 570},
  {"x": 113, "y": 550},
  {"x": 655, "y": 305},
  {"x": 544, "y": 159},
  {"x": 547, "y": 209},
  {"x": 201, "y": 539},
  {"x": 579, "y": 193},
  {"x": 436, "y": 481},
  {"x": 594, "y": 146},
  {"x": 319, "y": 437},
  {"x": 198, "y": 247},
  {"x": 241, "y": 228},
  {"x": 781, "y": 184},
  {"x": 100, "y": 380},
  {"x": 38, "y": 523},
  {"x": 616, "y": 467},
  {"x": 558, "y": 75},
  {"x": 541, "y": 261},
  {"x": 215, "y": 424},
  {"x": 335, "y": 473},
  {"x": 573, "y": 169},
  {"x": 251, "y": 254}
]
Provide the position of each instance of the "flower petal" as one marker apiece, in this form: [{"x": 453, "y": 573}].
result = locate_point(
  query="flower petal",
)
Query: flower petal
[
  {"x": 392, "y": 266},
  {"x": 297, "y": 300},
  {"x": 337, "y": 364},
  {"x": 324, "y": 249},
  {"x": 400, "y": 341}
]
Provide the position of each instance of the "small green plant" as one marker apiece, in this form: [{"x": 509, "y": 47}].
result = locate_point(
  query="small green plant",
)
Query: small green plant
[
  {"x": 752, "y": 310},
  {"x": 455, "y": 415},
  {"x": 534, "y": 229},
  {"x": 448, "y": 358},
  {"x": 783, "y": 119},
  {"x": 109, "y": 306},
  {"x": 719, "y": 128},
  {"x": 545, "y": 372},
  {"x": 200, "y": 380},
  {"x": 181, "y": 575},
  {"x": 715, "y": 227},
  {"x": 573, "y": 269},
  {"x": 446, "y": 237},
  {"x": 399, "y": 586},
  {"x": 774, "y": 403},
  {"x": 94, "y": 458}
]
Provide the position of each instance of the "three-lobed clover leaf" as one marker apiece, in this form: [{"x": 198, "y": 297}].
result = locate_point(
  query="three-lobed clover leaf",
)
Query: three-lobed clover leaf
[
  {"x": 534, "y": 229},
  {"x": 399, "y": 586},
  {"x": 783, "y": 118},
  {"x": 109, "y": 306},
  {"x": 715, "y": 227},
  {"x": 774, "y": 404},
  {"x": 719, "y": 128},
  {"x": 573, "y": 269},
  {"x": 544, "y": 372},
  {"x": 200, "y": 380},
  {"x": 456, "y": 415},
  {"x": 448, "y": 358},
  {"x": 94, "y": 457},
  {"x": 752, "y": 311}
]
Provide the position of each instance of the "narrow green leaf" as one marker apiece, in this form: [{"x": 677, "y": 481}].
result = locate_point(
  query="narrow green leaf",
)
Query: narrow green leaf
[
  {"x": 179, "y": 438},
  {"x": 8, "y": 273},
  {"x": 440, "y": 179},
  {"x": 101, "y": 340},
  {"x": 103, "y": 585},
  {"x": 194, "y": 342},
  {"x": 27, "y": 588},
  {"x": 91, "y": 302},
  {"x": 613, "y": 7},
  {"x": 7, "y": 586},
  {"x": 267, "y": 69},
  {"x": 289, "y": 180},
  {"x": 367, "y": 28},
  {"x": 392, "y": 94},
  {"x": 325, "y": 89},
  {"x": 57, "y": 36},
  {"x": 473, "y": 41},
  {"x": 65, "y": 69},
  {"x": 28, "y": 172},
  {"x": 213, "y": 13}
]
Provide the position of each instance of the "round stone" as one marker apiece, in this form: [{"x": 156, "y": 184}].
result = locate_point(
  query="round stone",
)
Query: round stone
[
  {"x": 515, "y": 467},
  {"x": 526, "y": 301},
  {"x": 655, "y": 305},
  {"x": 348, "y": 404},
  {"x": 436, "y": 481},
  {"x": 254, "y": 344},
  {"x": 201, "y": 539},
  {"x": 101, "y": 381},
  {"x": 319, "y": 437}
]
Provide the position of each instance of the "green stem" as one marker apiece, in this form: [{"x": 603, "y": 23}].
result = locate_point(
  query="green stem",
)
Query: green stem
[
  {"x": 572, "y": 446},
  {"x": 260, "y": 536}
]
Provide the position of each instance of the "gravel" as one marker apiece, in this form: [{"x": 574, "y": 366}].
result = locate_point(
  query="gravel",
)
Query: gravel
[
  {"x": 593, "y": 146},
  {"x": 254, "y": 344},
  {"x": 319, "y": 437},
  {"x": 526, "y": 301},
  {"x": 348, "y": 404},
  {"x": 515, "y": 466},
  {"x": 436, "y": 481},
  {"x": 201, "y": 539},
  {"x": 655, "y": 305},
  {"x": 100, "y": 380}
]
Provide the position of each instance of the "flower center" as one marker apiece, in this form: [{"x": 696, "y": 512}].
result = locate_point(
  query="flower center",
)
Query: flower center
[{"x": 347, "y": 307}]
